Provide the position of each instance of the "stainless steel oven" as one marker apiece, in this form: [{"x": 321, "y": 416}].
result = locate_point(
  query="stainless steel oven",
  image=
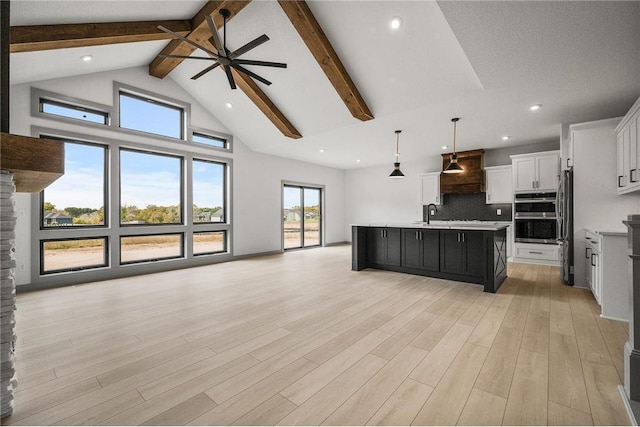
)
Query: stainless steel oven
[{"x": 535, "y": 218}]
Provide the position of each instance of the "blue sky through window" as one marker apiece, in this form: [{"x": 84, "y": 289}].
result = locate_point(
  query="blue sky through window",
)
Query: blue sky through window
[
  {"x": 152, "y": 117},
  {"x": 149, "y": 179},
  {"x": 208, "y": 184},
  {"x": 82, "y": 184}
]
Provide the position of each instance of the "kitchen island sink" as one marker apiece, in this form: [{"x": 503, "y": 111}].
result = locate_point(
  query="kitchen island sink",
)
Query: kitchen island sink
[{"x": 468, "y": 252}]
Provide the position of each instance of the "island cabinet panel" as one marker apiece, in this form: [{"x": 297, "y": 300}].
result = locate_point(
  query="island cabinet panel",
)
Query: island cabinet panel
[
  {"x": 474, "y": 256},
  {"x": 461, "y": 252},
  {"x": 383, "y": 246},
  {"x": 421, "y": 249}
]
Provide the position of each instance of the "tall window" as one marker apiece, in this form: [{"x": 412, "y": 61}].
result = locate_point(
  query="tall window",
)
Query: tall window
[
  {"x": 150, "y": 188},
  {"x": 77, "y": 198},
  {"x": 151, "y": 116},
  {"x": 209, "y": 191}
]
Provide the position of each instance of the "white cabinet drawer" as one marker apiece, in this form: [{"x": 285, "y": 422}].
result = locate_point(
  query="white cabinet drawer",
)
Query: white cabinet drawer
[{"x": 548, "y": 252}]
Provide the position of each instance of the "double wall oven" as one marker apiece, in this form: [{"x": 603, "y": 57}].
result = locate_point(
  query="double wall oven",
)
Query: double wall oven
[{"x": 536, "y": 218}]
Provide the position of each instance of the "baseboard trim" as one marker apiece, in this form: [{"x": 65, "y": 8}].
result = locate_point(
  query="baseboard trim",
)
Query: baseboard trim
[
  {"x": 629, "y": 406},
  {"x": 337, "y": 244},
  {"x": 255, "y": 255}
]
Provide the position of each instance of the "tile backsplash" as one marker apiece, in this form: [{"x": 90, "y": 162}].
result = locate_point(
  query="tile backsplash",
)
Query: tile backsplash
[{"x": 468, "y": 207}]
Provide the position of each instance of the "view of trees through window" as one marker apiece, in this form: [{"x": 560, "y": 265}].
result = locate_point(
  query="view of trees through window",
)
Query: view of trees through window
[{"x": 148, "y": 194}]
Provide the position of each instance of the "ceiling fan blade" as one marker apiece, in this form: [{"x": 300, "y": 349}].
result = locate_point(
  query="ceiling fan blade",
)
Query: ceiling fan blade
[
  {"x": 189, "y": 57},
  {"x": 215, "y": 36},
  {"x": 263, "y": 63},
  {"x": 205, "y": 71},
  {"x": 247, "y": 47},
  {"x": 232, "y": 82},
  {"x": 184, "y": 39},
  {"x": 251, "y": 74}
]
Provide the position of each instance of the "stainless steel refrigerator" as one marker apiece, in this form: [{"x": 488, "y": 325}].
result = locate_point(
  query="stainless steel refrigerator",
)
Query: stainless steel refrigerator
[{"x": 565, "y": 224}]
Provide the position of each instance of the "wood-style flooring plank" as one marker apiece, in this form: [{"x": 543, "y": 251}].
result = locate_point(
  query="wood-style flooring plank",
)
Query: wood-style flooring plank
[
  {"x": 560, "y": 415},
  {"x": 403, "y": 405},
  {"x": 527, "y": 401},
  {"x": 482, "y": 409},
  {"x": 566, "y": 380}
]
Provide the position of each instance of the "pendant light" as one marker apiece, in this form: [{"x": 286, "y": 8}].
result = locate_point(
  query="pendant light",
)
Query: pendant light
[
  {"x": 397, "y": 173},
  {"x": 453, "y": 166}
]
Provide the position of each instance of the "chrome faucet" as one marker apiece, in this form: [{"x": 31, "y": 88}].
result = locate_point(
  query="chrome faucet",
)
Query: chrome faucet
[{"x": 435, "y": 208}]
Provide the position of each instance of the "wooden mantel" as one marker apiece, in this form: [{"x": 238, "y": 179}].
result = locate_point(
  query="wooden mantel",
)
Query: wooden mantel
[{"x": 34, "y": 162}]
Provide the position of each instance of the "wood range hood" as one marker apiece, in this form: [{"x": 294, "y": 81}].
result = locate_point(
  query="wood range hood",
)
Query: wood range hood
[{"x": 469, "y": 181}]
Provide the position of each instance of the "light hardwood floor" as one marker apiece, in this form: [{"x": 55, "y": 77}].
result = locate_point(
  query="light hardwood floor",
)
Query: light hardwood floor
[{"x": 300, "y": 339}]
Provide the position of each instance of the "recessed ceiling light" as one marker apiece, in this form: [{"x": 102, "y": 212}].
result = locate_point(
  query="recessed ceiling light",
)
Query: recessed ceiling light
[
  {"x": 395, "y": 23},
  {"x": 506, "y": 138},
  {"x": 535, "y": 107},
  {"x": 86, "y": 58},
  {"x": 229, "y": 105},
  {"x": 444, "y": 147},
  {"x": 357, "y": 160},
  {"x": 322, "y": 150}
]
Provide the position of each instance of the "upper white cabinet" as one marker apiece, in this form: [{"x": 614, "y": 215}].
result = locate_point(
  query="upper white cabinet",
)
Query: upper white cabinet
[
  {"x": 499, "y": 184},
  {"x": 628, "y": 151},
  {"x": 430, "y": 184},
  {"x": 536, "y": 171}
]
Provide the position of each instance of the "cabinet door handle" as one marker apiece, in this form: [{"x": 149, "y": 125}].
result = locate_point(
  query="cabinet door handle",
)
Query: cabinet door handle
[
  {"x": 592, "y": 262},
  {"x": 586, "y": 252},
  {"x": 631, "y": 175},
  {"x": 462, "y": 237},
  {"x": 489, "y": 197},
  {"x": 619, "y": 183},
  {"x": 568, "y": 158},
  {"x": 535, "y": 252},
  {"x": 417, "y": 235},
  {"x": 420, "y": 234},
  {"x": 458, "y": 234}
]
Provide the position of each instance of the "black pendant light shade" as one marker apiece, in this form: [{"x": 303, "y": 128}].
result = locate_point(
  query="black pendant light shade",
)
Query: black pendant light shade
[
  {"x": 453, "y": 166},
  {"x": 397, "y": 173}
]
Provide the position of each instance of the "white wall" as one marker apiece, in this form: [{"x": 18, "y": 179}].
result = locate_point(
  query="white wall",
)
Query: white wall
[
  {"x": 256, "y": 177},
  {"x": 372, "y": 197}
]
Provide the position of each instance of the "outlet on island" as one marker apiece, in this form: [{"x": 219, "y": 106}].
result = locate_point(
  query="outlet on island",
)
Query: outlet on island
[{"x": 498, "y": 211}]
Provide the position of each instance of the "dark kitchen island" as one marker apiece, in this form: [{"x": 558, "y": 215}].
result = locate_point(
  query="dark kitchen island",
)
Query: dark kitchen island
[{"x": 467, "y": 253}]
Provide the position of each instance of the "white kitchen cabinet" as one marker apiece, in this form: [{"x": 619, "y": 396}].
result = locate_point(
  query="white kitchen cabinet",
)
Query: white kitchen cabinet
[
  {"x": 537, "y": 253},
  {"x": 628, "y": 151},
  {"x": 536, "y": 171},
  {"x": 430, "y": 187},
  {"x": 499, "y": 184},
  {"x": 606, "y": 272}
]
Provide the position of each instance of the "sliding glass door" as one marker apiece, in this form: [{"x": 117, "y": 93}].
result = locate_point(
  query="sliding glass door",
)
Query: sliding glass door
[{"x": 301, "y": 216}]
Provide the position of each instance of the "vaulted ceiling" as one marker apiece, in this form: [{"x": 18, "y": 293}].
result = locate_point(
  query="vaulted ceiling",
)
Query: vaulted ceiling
[{"x": 485, "y": 62}]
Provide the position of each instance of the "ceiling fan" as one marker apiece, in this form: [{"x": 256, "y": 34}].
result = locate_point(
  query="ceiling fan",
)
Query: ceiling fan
[{"x": 224, "y": 57}]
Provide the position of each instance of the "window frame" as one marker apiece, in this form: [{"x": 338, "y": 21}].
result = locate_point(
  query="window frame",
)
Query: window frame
[
  {"x": 113, "y": 231},
  {"x": 224, "y": 243},
  {"x": 151, "y": 260},
  {"x": 105, "y": 251},
  {"x": 105, "y": 195},
  {"x": 182, "y": 186},
  {"x": 228, "y": 139},
  {"x": 144, "y": 95},
  {"x": 38, "y": 95},
  {"x": 225, "y": 190}
]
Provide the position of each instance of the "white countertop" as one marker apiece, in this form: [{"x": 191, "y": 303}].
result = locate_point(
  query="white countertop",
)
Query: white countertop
[
  {"x": 456, "y": 225},
  {"x": 608, "y": 232}
]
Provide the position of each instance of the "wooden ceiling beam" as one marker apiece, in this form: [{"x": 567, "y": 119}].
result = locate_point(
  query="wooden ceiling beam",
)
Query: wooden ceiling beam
[
  {"x": 161, "y": 67},
  {"x": 262, "y": 101},
  {"x": 312, "y": 34},
  {"x": 30, "y": 38}
]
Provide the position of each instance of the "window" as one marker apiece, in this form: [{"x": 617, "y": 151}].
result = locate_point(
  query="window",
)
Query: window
[
  {"x": 151, "y": 116},
  {"x": 208, "y": 191},
  {"x": 72, "y": 254},
  {"x": 134, "y": 249},
  {"x": 77, "y": 198},
  {"x": 150, "y": 188},
  {"x": 209, "y": 242},
  {"x": 210, "y": 140},
  {"x": 73, "y": 111}
]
